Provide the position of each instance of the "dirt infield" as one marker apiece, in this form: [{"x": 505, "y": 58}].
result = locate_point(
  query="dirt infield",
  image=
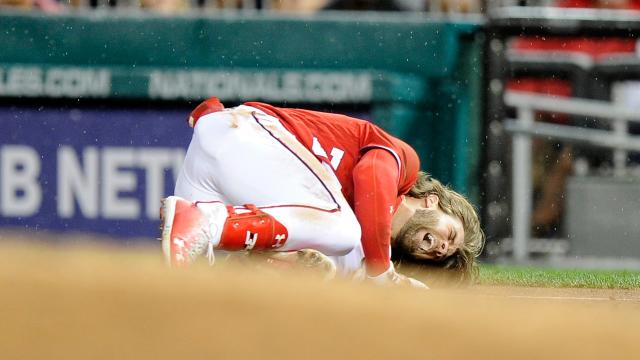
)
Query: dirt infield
[{"x": 64, "y": 303}]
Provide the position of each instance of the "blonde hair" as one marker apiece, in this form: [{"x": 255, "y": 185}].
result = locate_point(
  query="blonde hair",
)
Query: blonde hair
[{"x": 452, "y": 203}]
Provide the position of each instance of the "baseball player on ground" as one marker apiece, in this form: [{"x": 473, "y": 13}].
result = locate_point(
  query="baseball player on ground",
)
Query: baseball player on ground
[{"x": 261, "y": 178}]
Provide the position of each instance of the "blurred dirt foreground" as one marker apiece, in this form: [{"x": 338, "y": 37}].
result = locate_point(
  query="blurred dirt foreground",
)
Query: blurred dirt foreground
[{"x": 108, "y": 303}]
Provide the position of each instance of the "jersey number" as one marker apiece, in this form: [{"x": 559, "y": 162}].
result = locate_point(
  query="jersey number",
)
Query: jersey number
[{"x": 336, "y": 154}]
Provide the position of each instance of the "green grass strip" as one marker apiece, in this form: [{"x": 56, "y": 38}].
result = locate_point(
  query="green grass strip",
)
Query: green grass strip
[{"x": 561, "y": 278}]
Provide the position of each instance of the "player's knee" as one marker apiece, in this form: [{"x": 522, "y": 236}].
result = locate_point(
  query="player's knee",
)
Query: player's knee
[
  {"x": 353, "y": 232},
  {"x": 345, "y": 235}
]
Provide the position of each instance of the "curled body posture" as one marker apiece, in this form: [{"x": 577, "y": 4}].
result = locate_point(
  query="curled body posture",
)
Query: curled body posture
[{"x": 261, "y": 178}]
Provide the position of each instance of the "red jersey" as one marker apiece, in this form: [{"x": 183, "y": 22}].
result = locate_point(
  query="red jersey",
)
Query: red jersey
[{"x": 374, "y": 168}]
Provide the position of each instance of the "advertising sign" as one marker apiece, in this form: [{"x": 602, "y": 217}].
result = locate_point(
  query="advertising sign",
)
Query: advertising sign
[
  {"x": 294, "y": 86},
  {"x": 89, "y": 169},
  {"x": 95, "y": 170}
]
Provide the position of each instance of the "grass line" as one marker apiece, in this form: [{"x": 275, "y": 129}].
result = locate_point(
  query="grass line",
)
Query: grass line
[{"x": 560, "y": 278}]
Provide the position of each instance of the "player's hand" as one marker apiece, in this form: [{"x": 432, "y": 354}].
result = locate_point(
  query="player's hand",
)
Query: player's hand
[{"x": 391, "y": 277}]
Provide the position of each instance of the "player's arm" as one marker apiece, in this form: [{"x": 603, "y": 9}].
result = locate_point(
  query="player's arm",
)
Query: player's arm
[{"x": 375, "y": 179}]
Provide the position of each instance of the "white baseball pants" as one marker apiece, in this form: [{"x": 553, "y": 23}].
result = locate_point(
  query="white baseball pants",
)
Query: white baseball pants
[{"x": 242, "y": 156}]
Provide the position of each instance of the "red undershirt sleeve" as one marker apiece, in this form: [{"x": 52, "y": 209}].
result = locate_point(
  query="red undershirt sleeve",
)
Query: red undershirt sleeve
[{"x": 375, "y": 179}]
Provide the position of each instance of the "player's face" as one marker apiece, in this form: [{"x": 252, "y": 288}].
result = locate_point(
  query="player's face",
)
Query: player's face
[{"x": 431, "y": 234}]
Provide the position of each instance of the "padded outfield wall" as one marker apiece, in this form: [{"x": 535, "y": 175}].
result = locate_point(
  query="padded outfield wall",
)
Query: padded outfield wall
[{"x": 92, "y": 105}]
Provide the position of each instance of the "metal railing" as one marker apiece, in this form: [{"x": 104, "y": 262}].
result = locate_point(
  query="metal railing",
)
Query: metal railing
[{"x": 524, "y": 127}]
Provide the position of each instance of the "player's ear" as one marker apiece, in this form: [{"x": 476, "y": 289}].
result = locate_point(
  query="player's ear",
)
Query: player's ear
[{"x": 432, "y": 201}]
